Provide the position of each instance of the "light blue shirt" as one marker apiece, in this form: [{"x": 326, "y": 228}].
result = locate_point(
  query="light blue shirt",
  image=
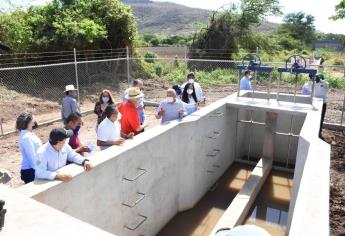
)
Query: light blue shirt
[
  {"x": 245, "y": 84},
  {"x": 29, "y": 143},
  {"x": 141, "y": 112},
  {"x": 49, "y": 160},
  {"x": 69, "y": 104},
  {"x": 171, "y": 110}
]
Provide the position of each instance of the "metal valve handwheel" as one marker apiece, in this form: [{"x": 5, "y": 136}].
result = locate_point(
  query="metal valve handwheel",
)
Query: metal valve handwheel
[
  {"x": 251, "y": 60},
  {"x": 297, "y": 62}
]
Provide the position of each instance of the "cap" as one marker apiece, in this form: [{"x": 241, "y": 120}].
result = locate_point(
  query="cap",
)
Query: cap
[{"x": 59, "y": 134}]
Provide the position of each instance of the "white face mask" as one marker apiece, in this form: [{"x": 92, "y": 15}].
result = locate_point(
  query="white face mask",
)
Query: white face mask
[
  {"x": 190, "y": 91},
  {"x": 191, "y": 81},
  {"x": 105, "y": 99},
  {"x": 169, "y": 99}
]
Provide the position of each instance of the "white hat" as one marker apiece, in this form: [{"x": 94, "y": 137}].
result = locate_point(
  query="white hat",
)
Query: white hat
[
  {"x": 133, "y": 93},
  {"x": 70, "y": 87}
]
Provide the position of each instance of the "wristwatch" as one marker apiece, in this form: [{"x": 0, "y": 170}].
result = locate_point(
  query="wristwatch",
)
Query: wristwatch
[{"x": 85, "y": 160}]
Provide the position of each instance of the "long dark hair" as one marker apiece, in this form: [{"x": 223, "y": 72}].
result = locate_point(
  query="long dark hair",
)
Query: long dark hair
[
  {"x": 185, "y": 94},
  {"x": 111, "y": 100}
]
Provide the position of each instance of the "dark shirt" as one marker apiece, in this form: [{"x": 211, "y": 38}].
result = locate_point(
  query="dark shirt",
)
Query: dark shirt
[{"x": 98, "y": 111}]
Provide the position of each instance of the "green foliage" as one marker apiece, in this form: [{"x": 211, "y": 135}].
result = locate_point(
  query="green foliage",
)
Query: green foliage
[
  {"x": 232, "y": 28},
  {"x": 153, "y": 40},
  {"x": 67, "y": 24},
  {"x": 339, "y": 11},
  {"x": 298, "y": 26},
  {"x": 150, "y": 57}
]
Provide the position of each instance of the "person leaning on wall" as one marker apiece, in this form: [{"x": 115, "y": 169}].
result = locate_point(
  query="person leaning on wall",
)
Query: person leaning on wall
[
  {"x": 53, "y": 155},
  {"x": 108, "y": 132},
  {"x": 130, "y": 121},
  {"x": 171, "y": 108},
  {"x": 137, "y": 83},
  {"x": 72, "y": 122},
  {"x": 29, "y": 143}
]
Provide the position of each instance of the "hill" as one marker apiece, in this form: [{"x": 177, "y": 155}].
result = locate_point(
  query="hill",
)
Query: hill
[{"x": 166, "y": 18}]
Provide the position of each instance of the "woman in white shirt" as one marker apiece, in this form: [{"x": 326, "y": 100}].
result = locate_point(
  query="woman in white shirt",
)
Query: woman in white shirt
[
  {"x": 28, "y": 146},
  {"x": 189, "y": 98},
  {"x": 108, "y": 132}
]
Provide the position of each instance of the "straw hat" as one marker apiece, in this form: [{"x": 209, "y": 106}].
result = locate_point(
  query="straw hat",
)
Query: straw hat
[
  {"x": 70, "y": 87},
  {"x": 133, "y": 93}
]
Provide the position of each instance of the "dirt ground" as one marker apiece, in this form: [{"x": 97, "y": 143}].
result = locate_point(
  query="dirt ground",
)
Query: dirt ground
[
  {"x": 337, "y": 188},
  {"x": 10, "y": 157}
]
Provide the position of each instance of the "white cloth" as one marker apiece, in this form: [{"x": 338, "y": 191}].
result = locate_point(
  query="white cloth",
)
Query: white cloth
[
  {"x": 198, "y": 91},
  {"x": 321, "y": 90},
  {"x": 108, "y": 131},
  {"x": 49, "y": 160}
]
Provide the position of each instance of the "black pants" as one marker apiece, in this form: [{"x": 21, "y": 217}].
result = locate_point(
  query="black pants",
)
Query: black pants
[
  {"x": 323, "y": 113},
  {"x": 27, "y": 175}
]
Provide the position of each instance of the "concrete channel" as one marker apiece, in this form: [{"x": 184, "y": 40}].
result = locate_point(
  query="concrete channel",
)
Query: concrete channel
[{"x": 193, "y": 177}]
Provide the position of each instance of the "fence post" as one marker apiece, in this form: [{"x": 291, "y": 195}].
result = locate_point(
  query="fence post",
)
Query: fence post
[
  {"x": 76, "y": 73},
  {"x": 2, "y": 130},
  {"x": 127, "y": 57},
  {"x": 342, "y": 112},
  {"x": 185, "y": 53}
]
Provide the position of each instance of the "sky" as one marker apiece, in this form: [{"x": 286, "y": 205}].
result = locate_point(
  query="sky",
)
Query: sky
[{"x": 320, "y": 9}]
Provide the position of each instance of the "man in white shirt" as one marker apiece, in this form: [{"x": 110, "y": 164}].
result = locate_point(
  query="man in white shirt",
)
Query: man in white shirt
[
  {"x": 54, "y": 154},
  {"x": 198, "y": 90},
  {"x": 321, "y": 91},
  {"x": 245, "y": 81},
  {"x": 108, "y": 132}
]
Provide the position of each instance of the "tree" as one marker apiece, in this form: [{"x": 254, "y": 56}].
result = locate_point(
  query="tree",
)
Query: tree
[
  {"x": 233, "y": 28},
  {"x": 67, "y": 24},
  {"x": 298, "y": 26},
  {"x": 339, "y": 11}
]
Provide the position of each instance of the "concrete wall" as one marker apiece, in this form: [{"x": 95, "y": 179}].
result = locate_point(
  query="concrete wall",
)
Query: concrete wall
[
  {"x": 173, "y": 165},
  {"x": 182, "y": 160},
  {"x": 309, "y": 206}
]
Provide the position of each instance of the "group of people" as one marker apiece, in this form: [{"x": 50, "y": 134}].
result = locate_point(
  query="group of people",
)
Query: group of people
[
  {"x": 64, "y": 145},
  {"x": 320, "y": 90}
]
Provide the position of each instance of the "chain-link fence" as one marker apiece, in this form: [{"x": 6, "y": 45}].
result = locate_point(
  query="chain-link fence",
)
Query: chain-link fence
[{"x": 31, "y": 83}]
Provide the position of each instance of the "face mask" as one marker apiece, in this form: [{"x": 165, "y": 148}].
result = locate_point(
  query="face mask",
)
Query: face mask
[
  {"x": 250, "y": 77},
  {"x": 190, "y": 91},
  {"x": 74, "y": 94},
  {"x": 191, "y": 81},
  {"x": 105, "y": 99},
  {"x": 169, "y": 99}
]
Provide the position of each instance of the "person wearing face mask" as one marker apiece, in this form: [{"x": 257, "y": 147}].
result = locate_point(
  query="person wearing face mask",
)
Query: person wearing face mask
[
  {"x": 69, "y": 103},
  {"x": 72, "y": 121},
  {"x": 130, "y": 122},
  {"x": 321, "y": 91},
  {"x": 189, "y": 98},
  {"x": 171, "y": 108},
  {"x": 29, "y": 143},
  {"x": 307, "y": 87},
  {"x": 105, "y": 99},
  {"x": 137, "y": 83},
  {"x": 108, "y": 132},
  {"x": 198, "y": 90},
  {"x": 54, "y": 155},
  {"x": 245, "y": 81}
]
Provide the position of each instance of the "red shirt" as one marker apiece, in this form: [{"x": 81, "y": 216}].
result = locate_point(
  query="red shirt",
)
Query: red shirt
[{"x": 130, "y": 118}]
